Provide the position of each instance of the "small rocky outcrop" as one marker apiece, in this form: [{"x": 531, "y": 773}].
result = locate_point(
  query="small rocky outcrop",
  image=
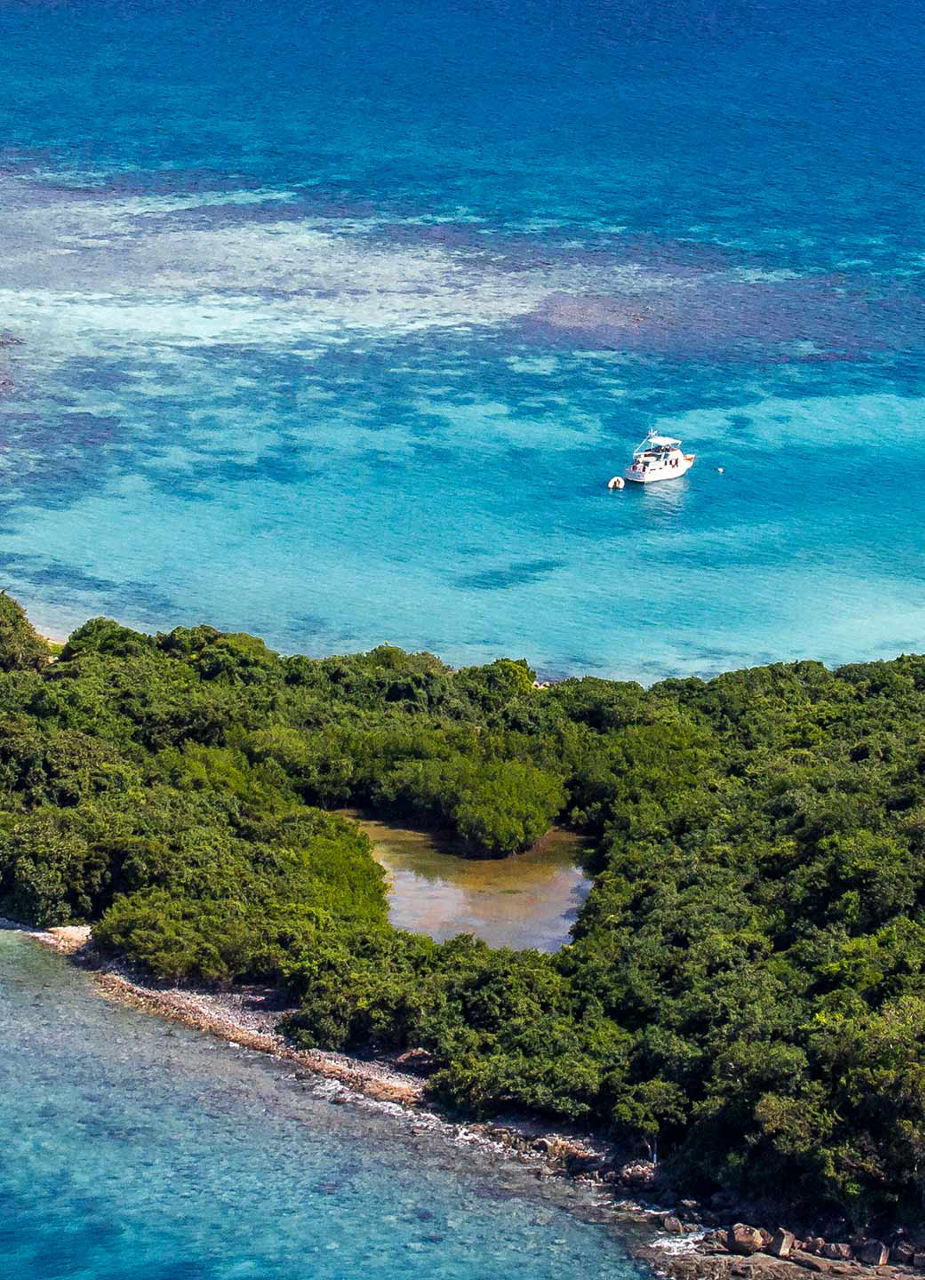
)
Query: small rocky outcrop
[
  {"x": 874, "y": 1253},
  {"x": 713, "y": 1242},
  {"x": 782, "y": 1243},
  {"x": 747, "y": 1240},
  {"x": 902, "y": 1254},
  {"x": 638, "y": 1175},
  {"x": 837, "y": 1252}
]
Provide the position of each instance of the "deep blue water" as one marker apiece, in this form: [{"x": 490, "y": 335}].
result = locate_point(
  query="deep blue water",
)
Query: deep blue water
[
  {"x": 136, "y": 1150},
  {"x": 337, "y": 318}
]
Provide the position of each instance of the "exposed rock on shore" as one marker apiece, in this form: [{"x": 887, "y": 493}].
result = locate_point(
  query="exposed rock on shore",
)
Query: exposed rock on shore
[
  {"x": 745, "y": 1252},
  {"x": 743, "y": 1239},
  {"x": 207, "y": 1013},
  {"x": 69, "y": 939},
  {"x": 681, "y": 1249}
]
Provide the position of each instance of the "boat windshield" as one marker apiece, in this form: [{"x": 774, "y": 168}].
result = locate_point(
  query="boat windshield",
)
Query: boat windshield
[
  {"x": 655, "y": 446},
  {"x": 652, "y": 455}
]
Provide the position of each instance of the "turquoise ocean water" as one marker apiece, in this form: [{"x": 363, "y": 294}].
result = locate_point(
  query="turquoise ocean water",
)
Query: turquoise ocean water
[
  {"x": 135, "y": 1148},
  {"x": 336, "y": 320}
]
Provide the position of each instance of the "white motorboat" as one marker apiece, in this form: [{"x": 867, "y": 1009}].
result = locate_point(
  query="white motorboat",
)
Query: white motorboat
[{"x": 658, "y": 458}]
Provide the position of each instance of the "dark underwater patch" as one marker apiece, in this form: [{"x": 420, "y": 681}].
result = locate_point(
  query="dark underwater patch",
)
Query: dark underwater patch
[
  {"x": 56, "y": 582},
  {"x": 518, "y": 574}
]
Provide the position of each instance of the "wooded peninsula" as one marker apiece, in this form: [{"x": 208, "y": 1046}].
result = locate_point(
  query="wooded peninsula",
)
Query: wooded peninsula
[{"x": 745, "y": 987}]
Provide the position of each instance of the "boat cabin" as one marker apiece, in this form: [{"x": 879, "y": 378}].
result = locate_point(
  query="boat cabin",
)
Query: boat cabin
[{"x": 657, "y": 451}]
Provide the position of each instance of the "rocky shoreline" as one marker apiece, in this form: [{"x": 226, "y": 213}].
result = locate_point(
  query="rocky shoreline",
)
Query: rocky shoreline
[
  {"x": 247, "y": 1016},
  {"x": 743, "y": 1252},
  {"x": 678, "y": 1238}
]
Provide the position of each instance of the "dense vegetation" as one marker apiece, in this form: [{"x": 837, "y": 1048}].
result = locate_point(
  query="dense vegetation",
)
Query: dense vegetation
[{"x": 746, "y": 986}]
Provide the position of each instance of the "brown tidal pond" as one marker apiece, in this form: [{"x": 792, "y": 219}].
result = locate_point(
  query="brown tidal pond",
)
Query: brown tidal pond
[{"x": 528, "y": 900}]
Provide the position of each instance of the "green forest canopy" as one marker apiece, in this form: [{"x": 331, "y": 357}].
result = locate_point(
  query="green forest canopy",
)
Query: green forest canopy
[{"x": 745, "y": 986}]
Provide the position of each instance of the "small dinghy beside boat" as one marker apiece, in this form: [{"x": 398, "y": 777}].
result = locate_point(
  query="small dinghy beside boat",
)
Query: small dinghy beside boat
[{"x": 658, "y": 458}]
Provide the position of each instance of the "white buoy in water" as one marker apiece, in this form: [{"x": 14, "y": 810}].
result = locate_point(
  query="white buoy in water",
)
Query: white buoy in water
[
  {"x": 616, "y": 483},
  {"x": 720, "y": 470}
]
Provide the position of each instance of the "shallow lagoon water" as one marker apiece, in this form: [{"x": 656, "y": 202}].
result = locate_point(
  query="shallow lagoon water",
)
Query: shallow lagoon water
[
  {"x": 529, "y": 900},
  {"x": 336, "y": 323},
  {"x": 135, "y": 1148}
]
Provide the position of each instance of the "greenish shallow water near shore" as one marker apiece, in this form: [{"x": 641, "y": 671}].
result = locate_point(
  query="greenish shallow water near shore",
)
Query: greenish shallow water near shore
[
  {"x": 530, "y": 900},
  {"x": 136, "y": 1148}
]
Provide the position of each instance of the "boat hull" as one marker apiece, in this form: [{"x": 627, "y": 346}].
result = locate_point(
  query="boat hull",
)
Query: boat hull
[{"x": 653, "y": 475}]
